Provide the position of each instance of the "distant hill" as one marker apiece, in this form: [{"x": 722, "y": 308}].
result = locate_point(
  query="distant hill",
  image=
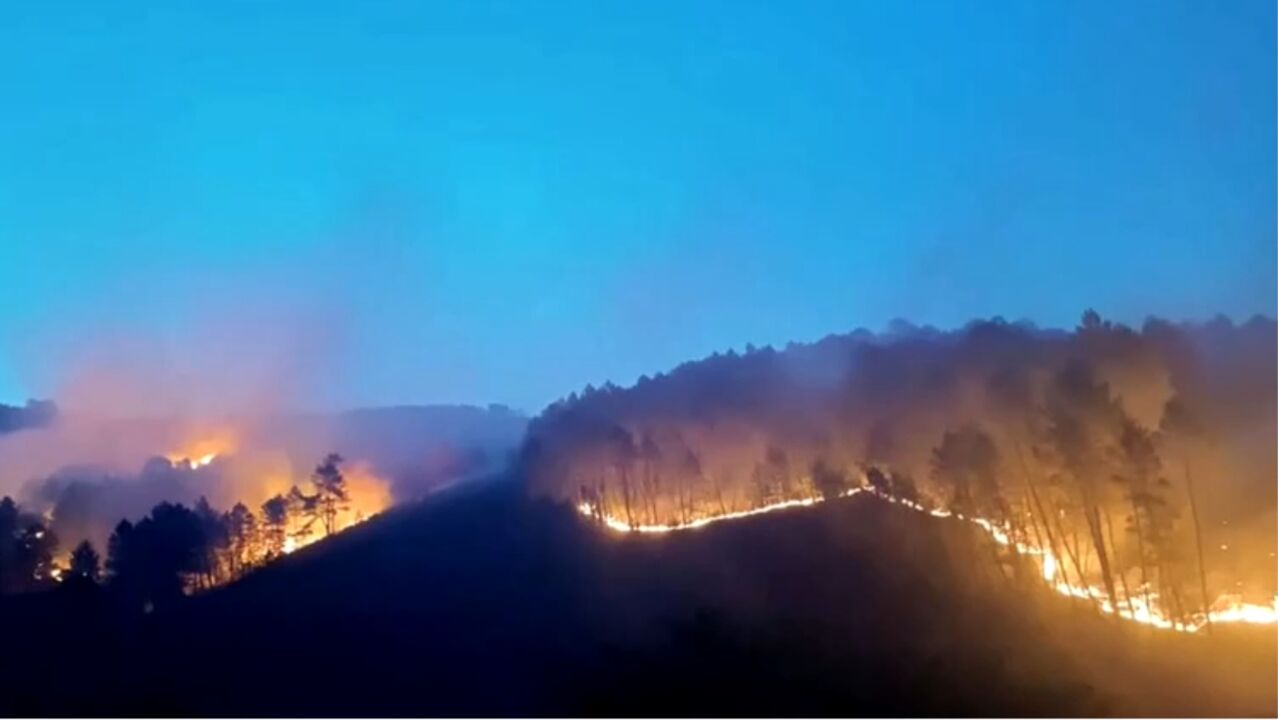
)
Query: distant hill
[{"x": 483, "y": 602}]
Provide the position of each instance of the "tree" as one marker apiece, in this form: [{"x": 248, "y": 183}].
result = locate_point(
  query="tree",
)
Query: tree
[
  {"x": 306, "y": 509},
  {"x": 649, "y": 454},
  {"x": 620, "y": 447},
  {"x": 966, "y": 462},
  {"x": 85, "y": 563},
  {"x": 1139, "y": 467},
  {"x": 217, "y": 541},
  {"x": 331, "y": 495},
  {"x": 241, "y": 529},
  {"x": 151, "y": 561},
  {"x": 119, "y": 546},
  {"x": 9, "y": 574},
  {"x": 26, "y": 549},
  {"x": 1083, "y": 419},
  {"x": 36, "y": 546},
  {"x": 830, "y": 482},
  {"x": 275, "y": 524},
  {"x": 1180, "y": 423}
]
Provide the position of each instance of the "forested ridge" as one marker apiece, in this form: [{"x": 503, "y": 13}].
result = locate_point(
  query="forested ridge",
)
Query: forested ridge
[{"x": 1142, "y": 457}]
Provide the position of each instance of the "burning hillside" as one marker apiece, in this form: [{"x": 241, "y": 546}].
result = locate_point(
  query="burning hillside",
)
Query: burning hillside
[
  {"x": 1140, "y": 608},
  {"x": 230, "y": 494},
  {"x": 175, "y": 547},
  {"x": 1125, "y": 467}
]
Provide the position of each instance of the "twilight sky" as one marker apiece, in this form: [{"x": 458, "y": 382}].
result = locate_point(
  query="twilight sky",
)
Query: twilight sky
[{"x": 357, "y": 203}]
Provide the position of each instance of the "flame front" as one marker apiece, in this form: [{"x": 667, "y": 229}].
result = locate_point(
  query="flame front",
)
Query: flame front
[{"x": 1226, "y": 609}]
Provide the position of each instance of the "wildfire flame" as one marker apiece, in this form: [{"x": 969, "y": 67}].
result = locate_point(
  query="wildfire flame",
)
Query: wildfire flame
[
  {"x": 255, "y": 476},
  {"x": 204, "y": 449},
  {"x": 366, "y": 494},
  {"x": 1226, "y": 609}
]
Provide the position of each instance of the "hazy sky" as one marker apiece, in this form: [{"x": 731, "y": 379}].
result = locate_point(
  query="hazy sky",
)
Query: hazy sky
[{"x": 378, "y": 202}]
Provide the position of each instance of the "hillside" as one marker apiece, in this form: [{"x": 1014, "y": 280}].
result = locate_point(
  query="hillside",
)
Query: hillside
[{"x": 482, "y": 602}]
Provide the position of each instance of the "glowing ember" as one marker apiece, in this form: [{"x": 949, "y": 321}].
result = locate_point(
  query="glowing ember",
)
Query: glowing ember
[{"x": 1226, "y": 609}]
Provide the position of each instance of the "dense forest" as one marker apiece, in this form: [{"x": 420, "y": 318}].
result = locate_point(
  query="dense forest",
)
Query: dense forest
[{"x": 1143, "y": 458}]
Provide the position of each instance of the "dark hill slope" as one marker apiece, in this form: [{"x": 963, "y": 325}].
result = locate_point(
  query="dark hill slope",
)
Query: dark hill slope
[{"x": 483, "y": 603}]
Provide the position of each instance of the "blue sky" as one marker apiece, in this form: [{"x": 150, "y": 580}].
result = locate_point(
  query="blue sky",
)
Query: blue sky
[{"x": 500, "y": 202}]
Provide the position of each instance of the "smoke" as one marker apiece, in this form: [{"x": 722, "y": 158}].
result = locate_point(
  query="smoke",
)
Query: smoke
[{"x": 1073, "y": 406}]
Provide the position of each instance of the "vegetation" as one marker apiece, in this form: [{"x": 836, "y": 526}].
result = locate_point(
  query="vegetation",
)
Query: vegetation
[
  {"x": 855, "y": 607},
  {"x": 173, "y": 550},
  {"x": 1064, "y": 439}
]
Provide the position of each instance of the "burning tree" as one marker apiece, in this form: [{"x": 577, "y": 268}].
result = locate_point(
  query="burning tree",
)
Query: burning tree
[
  {"x": 244, "y": 545},
  {"x": 331, "y": 496},
  {"x": 966, "y": 464},
  {"x": 275, "y": 525}
]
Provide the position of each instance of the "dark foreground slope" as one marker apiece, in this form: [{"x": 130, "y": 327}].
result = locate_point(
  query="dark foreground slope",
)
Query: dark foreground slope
[{"x": 485, "y": 603}]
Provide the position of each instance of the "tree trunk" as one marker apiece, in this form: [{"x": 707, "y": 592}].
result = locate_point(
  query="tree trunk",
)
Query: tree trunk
[
  {"x": 626, "y": 498},
  {"x": 1073, "y": 557},
  {"x": 1122, "y": 576},
  {"x": 1047, "y": 520},
  {"x": 1098, "y": 540},
  {"x": 1198, "y": 541},
  {"x": 1140, "y": 549}
]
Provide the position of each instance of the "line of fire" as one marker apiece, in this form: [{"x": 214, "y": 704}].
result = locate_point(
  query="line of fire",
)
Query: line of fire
[{"x": 1115, "y": 464}]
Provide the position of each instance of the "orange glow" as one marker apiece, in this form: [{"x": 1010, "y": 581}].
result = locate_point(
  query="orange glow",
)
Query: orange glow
[
  {"x": 205, "y": 448},
  {"x": 255, "y": 476},
  {"x": 1226, "y": 609},
  {"x": 366, "y": 496}
]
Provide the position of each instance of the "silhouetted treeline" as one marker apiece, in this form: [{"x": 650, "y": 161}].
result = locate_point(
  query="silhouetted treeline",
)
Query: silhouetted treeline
[
  {"x": 174, "y": 550},
  {"x": 26, "y": 550},
  {"x": 35, "y": 414},
  {"x": 1120, "y": 449}
]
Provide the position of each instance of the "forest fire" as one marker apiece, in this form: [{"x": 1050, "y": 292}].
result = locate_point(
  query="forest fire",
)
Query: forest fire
[
  {"x": 337, "y": 496},
  {"x": 205, "y": 449},
  {"x": 222, "y": 545},
  {"x": 1128, "y": 468},
  {"x": 1229, "y": 608}
]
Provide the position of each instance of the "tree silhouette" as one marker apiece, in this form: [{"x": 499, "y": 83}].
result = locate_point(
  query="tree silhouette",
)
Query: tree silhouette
[
  {"x": 1083, "y": 420},
  {"x": 275, "y": 513},
  {"x": 306, "y": 509},
  {"x": 36, "y": 546},
  {"x": 966, "y": 462},
  {"x": 1182, "y": 424},
  {"x": 331, "y": 494},
  {"x": 242, "y": 532},
  {"x": 85, "y": 563},
  {"x": 150, "y": 562},
  {"x": 9, "y": 572},
  {"x": 26, "y": 549}
]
